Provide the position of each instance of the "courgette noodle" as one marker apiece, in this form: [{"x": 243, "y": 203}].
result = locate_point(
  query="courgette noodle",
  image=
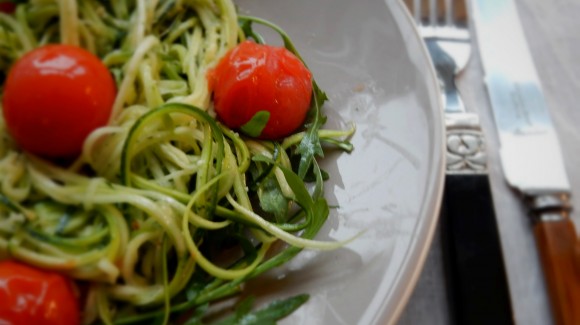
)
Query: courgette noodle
[{"x": 166, "y": 210}]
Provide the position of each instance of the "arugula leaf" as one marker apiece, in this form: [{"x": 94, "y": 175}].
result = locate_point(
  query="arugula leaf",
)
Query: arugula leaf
[
  {"x": 310, "y": 145},
  {"x": 244, "y": 307},
  {"x": 301, "y": 195},
  {"x": 197, "y": 315},
  {"x": 11, "y": 205},
  {"x": 272, "y": 199},
  {"x": 267, "y": 315},
  {"x": 256, "y": 125},
  {"x": 246, "y": 26}
]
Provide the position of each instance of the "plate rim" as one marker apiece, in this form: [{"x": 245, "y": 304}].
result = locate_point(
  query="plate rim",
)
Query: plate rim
[{"x": 421, "y": 251}]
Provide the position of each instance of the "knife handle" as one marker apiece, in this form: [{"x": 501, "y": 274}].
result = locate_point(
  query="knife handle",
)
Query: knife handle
[
  {"x": 559, "y": 251},
  {"x": 473, "y": 257}
]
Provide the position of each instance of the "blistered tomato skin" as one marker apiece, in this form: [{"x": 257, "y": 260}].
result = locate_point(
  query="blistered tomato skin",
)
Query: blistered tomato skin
[
  {"x": 254, "y": 77},
  {"x": 31, "y": 296},
  {"x": 54, "y": 96}
]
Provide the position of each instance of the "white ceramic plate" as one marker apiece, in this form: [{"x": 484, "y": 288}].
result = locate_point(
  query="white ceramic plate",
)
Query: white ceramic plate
[{"x": 369, "y": 59}]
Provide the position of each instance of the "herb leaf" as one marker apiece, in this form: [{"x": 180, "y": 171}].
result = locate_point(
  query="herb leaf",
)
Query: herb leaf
[
  {"x": 256, "y": 125},
  {"x": 266, "y": 316},
  {"x": 310, "y": 145},
  {"x": 272, "y": 199}
]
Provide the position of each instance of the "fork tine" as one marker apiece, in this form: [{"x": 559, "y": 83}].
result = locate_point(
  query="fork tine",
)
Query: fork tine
[
  {"x": 417, "y": 11},
  {"x": 449, "y": 12},
  {"x": 460, "y": 11},
  {"x": 433, "y": 12}
]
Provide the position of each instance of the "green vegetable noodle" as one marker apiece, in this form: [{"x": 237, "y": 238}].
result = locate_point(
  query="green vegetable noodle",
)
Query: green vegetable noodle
[{"x": 166, "y": 210}]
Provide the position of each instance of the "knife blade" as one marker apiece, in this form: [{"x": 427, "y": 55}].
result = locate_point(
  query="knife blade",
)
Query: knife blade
[{"x": 529, "y": 150}]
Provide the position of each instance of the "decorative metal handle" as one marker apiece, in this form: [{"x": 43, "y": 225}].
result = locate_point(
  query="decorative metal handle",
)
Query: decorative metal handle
[
  {"x": 466, "y": 153},
  {"x": 473, "y": 255},
  {"x": 549, "y": 207}
]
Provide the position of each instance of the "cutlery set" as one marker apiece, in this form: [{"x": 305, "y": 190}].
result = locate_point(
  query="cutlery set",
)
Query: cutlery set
[{"x": 530, "y": 156}]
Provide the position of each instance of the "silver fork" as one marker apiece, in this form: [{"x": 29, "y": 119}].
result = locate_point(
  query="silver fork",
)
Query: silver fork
[
  {"x": 473, "y": 256},
  {"x": 444, "y": 29}
]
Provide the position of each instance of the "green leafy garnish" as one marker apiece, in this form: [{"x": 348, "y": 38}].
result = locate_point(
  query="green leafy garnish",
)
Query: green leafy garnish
[
  {"x": 266, "y": 316},
  {"x": 272, "y": 199},
  {"x": 172, "y": 211},
  {"x": 256, "y": 125}
]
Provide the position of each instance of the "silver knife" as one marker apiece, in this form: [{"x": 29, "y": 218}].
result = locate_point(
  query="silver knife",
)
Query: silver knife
[{"x": 529, "y": 149}]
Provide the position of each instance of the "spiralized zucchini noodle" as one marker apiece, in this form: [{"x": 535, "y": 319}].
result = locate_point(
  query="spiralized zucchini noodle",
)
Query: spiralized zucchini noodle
[{"x": 166, "y": 210}]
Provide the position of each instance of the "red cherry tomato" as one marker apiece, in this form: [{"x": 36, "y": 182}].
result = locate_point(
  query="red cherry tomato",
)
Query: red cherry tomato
[
  {"x": 54, "y": 96},
  {"x": 7, "y": 7},
  {"x": 253, "y": 78},
  {"x": 32, "y": 296}
]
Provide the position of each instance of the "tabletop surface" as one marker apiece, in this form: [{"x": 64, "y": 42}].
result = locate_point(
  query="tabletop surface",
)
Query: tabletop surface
[{"x": 553, "y": 32}]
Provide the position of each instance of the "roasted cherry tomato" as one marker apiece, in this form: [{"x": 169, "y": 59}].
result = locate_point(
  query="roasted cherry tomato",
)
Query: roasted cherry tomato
[
  {"x": 54, "y": 96},
  {"x": 32, "y": 296},
  {"x": 7, "y": 7},
  {"x": 253, "y": 78}
]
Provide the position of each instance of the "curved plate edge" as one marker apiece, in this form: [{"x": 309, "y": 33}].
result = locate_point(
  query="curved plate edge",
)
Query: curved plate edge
[{"x": 420, "y": 255}]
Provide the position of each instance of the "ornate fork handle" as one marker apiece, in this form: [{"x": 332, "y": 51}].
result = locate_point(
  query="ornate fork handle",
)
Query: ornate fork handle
[{"x": 466, "y": 150}]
